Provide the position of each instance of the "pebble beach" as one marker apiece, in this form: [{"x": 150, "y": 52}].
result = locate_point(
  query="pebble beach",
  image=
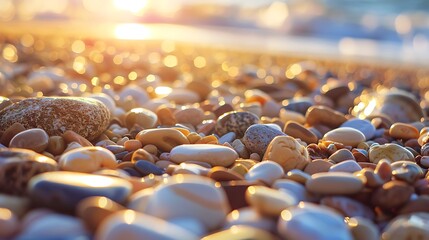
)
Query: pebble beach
[{"x": 166, "y": 140}]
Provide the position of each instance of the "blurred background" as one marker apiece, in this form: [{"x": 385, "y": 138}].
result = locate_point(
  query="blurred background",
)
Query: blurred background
[{"x": 378, "y": 29}]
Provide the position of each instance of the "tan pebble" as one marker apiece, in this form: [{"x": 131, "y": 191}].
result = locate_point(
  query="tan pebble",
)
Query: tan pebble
[
  {"x": 324, "y": 115},
  {"x": 296, "y": 130},
  {"x": 248, "y": 163},
  {"x": 9, "y": 223},
  {"x": 297, "y": 176},
  {"x": 268, "y": 201},
  {"x": 142, "y": 117},
  {"x": 372, "y": 180},
  {"x": 223, "y": 174},
  {"x": 345, "y": 135},
  {"x": 211, "y": 139},
  {"x": 94, "y": 210},
  {"x": 123, "y": 165},
  {"x": 341, "y": 155},
  {"x": 87, "y": 159},
  {"x": 183, "y": 130},
  {"x": 363, "y": 229},
  {"x": 163, "y": 138},
  {"x": 141, "y": 154},
  {"x": 265, "y": 171},
  {"x": 56, "y": 145},
  {"x": 407, "y": 171},
  {"x": 132, "y": 145},
  {"x": 71, "y": 146},
  {"x": 70, "y": 136},
  {"x": 35, "y": 139},
  {"x": 317, "y": 166},
  {"x": 403, "y": 131},
  {"x": 390, "y": 151},
  {"x": 392, "y": 195},
  {"x": 350, "y": 166},
  {"x": 193, "y": 116},
  {"x": 287, "y": 115},
  {"x": 334, "y": 183},
  {"x": 193, "y": 137},
  {"x": 150, "y": 148},
  {"x": 287, "y": 152},
  {"x": 240, "y": 169},
  {"x": 165, "y": 116},
  {"x": 10, "y": 132}
]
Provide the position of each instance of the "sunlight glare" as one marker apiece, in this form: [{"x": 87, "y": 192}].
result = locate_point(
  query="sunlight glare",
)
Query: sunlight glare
[
  {"x": 132, "y": 31},
  {"x": 134, "y": 6}
]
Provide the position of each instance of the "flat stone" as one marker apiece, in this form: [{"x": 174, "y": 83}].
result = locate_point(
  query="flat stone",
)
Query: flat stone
[
  {"x": 237, "y": 122},
  {"x": 403, "y": 131},
  {"x": 258, "y": 137},
  {"x": 63, "y": 190},
  {"x": 309, "y": 221},
  {"x": 287, "y": 152},
  {"x": 334, "y": 183},
  {"x": 297, "y": 130},
  {"x": 55, "y": 115},
  {"x": 317, "y": 166},
  {"x": 198, "y": 197},
  {"x": 35, "y": 139},
  {"x": 363, "y": 125},
  {"x": 215, "y": 155},
  {"x": 345, "y": 135}
]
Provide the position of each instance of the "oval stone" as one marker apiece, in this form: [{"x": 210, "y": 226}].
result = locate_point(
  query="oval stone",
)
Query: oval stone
[
  {"x": 215, "y": 155},
  {"x": 236, "y": 122},
  {"x": 345, "y": 135},
  {"x": 297, "y": 130},
  {"x": 334, "y": 183},
  {"x": 146, "y": 168},
  {"x": 403, "y": 131},
  {"x": 287, "y": 152},
  {"x": 389, "y": 151},
  {"x": 87, "y": 159},
  {"x": 258, "y": 137},
  {"x": 348, "y": 207},
  {"x": 164, "y": 139},
  {"x": 86, "y": 116},
  {"x": 309, "y": 221},
  {"x": 266, "y": 171},
  {"x": 324, "y": 115},
  {"x": 142, "y": 117},
  {"x": 63, "y": 190},
  {"x": 35, "y": 139},
  {"x": 185, "y": 195},
  {"x": 363, "y": 125}
]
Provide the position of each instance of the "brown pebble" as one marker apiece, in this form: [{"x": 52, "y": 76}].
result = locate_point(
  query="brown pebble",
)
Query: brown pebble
[
  {"x": 235, "y": 192},
  {"x": 297, "y": 130},
  {"x": 165, "y": 116},
  {"x": 132, "y": 145},
  {"x": 193, "y": 116},
  {"x": 421, "y": 204},
  {"x": 392, "y": 195},
  {"x": 324, "y": 115},
  {"x": 384, "y": 170},
  {"x": 70, "y": 136},
  {"x": 35, "y": 139},
  {"x": 10, "y": 132},
  {"x": 317, "y": 166},
  {"x": 218, "y": 111},
  {"x": 403, "y": 131},
  {"x": 219, "y": 173},
  {"x": 56, "y": 145}
]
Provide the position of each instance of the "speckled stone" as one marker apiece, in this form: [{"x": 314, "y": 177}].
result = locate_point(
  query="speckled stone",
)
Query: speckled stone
[
  {"x": 258, "y": 137},
  {"x": 237, "y": 122},
  {"x": 18, "y": 166},
  {"x": 86, "y": 116}
]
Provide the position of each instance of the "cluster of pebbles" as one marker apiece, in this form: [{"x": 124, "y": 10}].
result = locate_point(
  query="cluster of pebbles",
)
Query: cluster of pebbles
[{"x": 291, "y": 150}]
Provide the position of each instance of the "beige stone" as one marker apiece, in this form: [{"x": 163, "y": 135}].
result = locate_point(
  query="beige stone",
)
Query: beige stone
[
  {"x": 163, "y": 138},
  {"x": 287, "y": 152}
]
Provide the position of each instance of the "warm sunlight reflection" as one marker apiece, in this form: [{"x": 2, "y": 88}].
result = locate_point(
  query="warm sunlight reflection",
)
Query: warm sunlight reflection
[
  {"x": 134, "y": 6},
  {"x": 132, "y": 31}
]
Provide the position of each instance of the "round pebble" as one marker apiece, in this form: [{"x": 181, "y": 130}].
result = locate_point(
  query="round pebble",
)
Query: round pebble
[
  {"x": 236, "y": 122},
  {"x": 215, "y": 155},
  {"x": 287, "y": 152},
  {"x": 193, "y": 116},
  {"x": 334, "y": 183},
  {"x": 324, "y": 115},
  {"x": 258, "y": 137},
  {"x": 87, "y": 159},
  {"x": 142, "y": 117},
  {"x": 403, "y": 131},
  {"x": 345, "y": 135},
  {"x": 266, "y": 171},
  {"x": 35, "y": 139},
  {"x": 55, "y": 115}
]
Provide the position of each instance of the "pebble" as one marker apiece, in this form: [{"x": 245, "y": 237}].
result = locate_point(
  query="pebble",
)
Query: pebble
[
  {"x": 193, "y": 116},
  {"x": 349, "y": 166},
  {"x": 164, "y": 139},
  {"x": 63, "y": 190},
  {"x": 403, "y": 131},
  {"x": 362, "y": 125},
  {"x": 287, "y": 152},
  {"x": 215, "y": 155},
  {"x": 18, "y": 166},
  {"x": 69, "y": 136},
  {"x": 324, "y": 115},
  {"x": 10, "y": 132},
  {"x": 146, "y": 168},
  {"x": 87, "y": 159},
  {"x": 236, "y": 122},
  {"x": 240, "y": 233},
  {"x": 292, "y": 187},
  {"x": 408, "y": 226},
  {"x": 341, "y": 155},
  {"x": 392, "y": 195},
  {"x": 105, "y": 99},
  {"x": 317, "y": 166},
  {"x": 348, "y": 207},
  {"x": 227, "y": 137},
  {"x": 298, "y": 176},
  {"x": 132, "y": 96},
  {"x": 340, "y": 183},
  {"x": 240, "y": 148},
  {"x": 197, "y": 196},
  {"x": 345, "y": 135},
  {"x": 247, "y": 216},
  {"x": 56, "y": 145},
  {"x": 55, "y": 115},
  {"x": 269, "y": 202},
  {"x": 407, "y": 171},
  {"x": 298, "y": 105},
  {"x": 223, "y": 174},
  {"x": 142, "y": 117},
  {"x": 35, "y": 139},
  {"x": 363, "y": 229},
  {"x": 265, "y": 171},
  {"x": 9, "y": 223},
  {"x": 309, "y": 221},
  {"x": 165, "y": 116},
  {"x": 286, "y": 116},
  {"x": 389, "y": 151},
  {"x": 258, "y": 137},
  {"x": 420, "y": 204},
  {"x": 93, "y": 210},
  {"x": 297, "y": 130}
]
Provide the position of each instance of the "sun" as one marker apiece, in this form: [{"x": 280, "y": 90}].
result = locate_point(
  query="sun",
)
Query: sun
[{"x": 134, "y": 6}]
